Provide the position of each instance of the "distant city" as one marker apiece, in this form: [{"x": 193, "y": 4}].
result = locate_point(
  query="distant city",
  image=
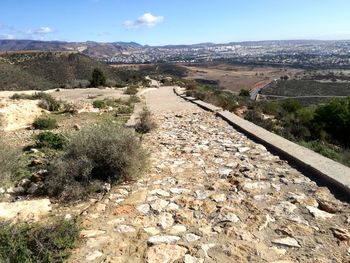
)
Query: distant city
[
  {"x": 302, "y": 54},
  {"x": 308, "y": 54}
]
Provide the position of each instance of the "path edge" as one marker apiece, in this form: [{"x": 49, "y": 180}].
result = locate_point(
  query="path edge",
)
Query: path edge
[{"x": 316, "y": 165}]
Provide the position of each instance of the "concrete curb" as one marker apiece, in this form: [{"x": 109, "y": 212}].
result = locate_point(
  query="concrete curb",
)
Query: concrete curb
[
  {"x": 134, "y": 118},
  {"x": 310, "y": 161}
]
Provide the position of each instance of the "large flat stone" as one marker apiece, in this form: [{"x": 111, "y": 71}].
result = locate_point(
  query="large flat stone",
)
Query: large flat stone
[{"x": 25, "y": 210}]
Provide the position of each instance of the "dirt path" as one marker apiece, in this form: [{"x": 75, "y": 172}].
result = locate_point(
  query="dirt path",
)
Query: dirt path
[
  {"x": 212, "y": 195},
  {"x": 164, "y": 100}
]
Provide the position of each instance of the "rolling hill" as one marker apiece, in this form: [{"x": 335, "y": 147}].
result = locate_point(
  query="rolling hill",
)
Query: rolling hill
[
  {"x": 47, "y": 70},
  {"x": 90, "y": 48}
]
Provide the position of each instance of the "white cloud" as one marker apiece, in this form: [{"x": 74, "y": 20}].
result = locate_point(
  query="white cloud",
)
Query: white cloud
[
  {"x": 44, "y": 30},
  {"x": 8, "y": 37},
  {"x": 40, "y": 31},
  {"x": 146, "y": 20},
  {"x": 102, "y": 34},
  {"x": 10, "y": 32}
]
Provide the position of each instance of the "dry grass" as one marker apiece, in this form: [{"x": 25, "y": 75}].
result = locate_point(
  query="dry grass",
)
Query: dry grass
[{"x": 235, "y": 78}]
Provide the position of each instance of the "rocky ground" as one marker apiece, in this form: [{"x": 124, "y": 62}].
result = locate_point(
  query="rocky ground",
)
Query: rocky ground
[{"x": 213, "y": 195}]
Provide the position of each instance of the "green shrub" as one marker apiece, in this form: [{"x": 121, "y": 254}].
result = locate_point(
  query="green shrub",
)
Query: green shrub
[
  {"x": 99, "y": 104},
  {"x": 103, "y": 153},
  {"x": 9, "y": 158},
  {"x": 258, "y": 119},
  {"x": 23, "y": 242},
  {"x": 334, "y": 119},
  {"x": 271, "y": 108},
  {"x": 22, "y": 96},
  {"x": 323, "y": 149},
  {"x": 244, "y": 93},
  {"x": 133, "y": 99},
  {"x": 305, "y": 115},
  {"x": 47, "y": 101},
  {"x": 45, "y": 124},
  {"x": 124, "y": 109},
  {"x": 290, "y": 105},
  {"x": 131, "y": 90},
  {"x": 50, "y": 140},
  {"x": 81, "y": 83},
  {"x": 111, "y": 83},
  {"x": 146, "y": 123},
  {"x": 69, "y": 107}
]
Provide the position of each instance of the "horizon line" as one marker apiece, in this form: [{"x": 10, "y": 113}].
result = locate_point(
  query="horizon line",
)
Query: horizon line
[{"x": 198, "y": 43}]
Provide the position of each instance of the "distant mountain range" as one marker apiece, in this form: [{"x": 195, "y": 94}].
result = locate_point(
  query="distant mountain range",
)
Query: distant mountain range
[
  {"x": 93, "y": 49},
  {"x": 104, "y": 50}
]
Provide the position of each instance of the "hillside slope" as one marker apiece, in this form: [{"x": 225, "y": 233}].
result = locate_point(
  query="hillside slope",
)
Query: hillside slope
[
  {"x": 90, "y": 48},
  {"x": 47, "y": 70}
]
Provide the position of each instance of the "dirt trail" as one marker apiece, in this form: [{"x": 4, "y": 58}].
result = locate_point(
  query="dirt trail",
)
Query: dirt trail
[{"x": 213, "y": 195}]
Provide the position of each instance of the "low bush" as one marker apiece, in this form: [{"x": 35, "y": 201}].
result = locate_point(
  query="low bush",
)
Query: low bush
[
  {"x": 133, "y": 99},
  {"x": 23, "y": 242},
  {"x": 131, "y": 90},
  {"x": 99, "y": 104},
  {"x": 122, "y": 106},
  {"x": 47, "y": 101},
  {"x": 81, "y": 83},
  {"x": 124, "y": 109},
  {"x": 290, "y": 105},
  {"x": 50, "y": 140},
  {"x": 69, "y": 107},
  {"x": 258, "y": 119},
  {"x": 146, "y": 124},
  {"x": 45, "y": 124},
  {"x": 323, "y": 149},
  {"x": 22, "y": 96},
  {"x": 111, "y": 83},
  {"x": 244, "y": 93},
  {"x": 100, "y": 153},
  {"x": 9, "y": 158}
]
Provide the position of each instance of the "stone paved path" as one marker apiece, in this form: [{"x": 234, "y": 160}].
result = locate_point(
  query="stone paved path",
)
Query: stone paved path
[{"x": 212, "y": 195}]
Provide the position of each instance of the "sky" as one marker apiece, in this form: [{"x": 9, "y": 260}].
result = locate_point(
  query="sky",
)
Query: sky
[{"x": 161, "y": 22}]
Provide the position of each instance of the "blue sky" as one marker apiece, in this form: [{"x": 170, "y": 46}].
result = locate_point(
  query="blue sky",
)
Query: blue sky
[{"x": 159, "y": 22}]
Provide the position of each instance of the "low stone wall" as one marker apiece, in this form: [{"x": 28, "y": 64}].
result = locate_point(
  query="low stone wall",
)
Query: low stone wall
[{"x": 317, "y": 165}]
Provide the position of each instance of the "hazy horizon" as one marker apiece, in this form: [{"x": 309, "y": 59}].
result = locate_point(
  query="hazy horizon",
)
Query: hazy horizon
[
  {"x": 182, "y": 22},
  {"x": 180, "y": 44}
]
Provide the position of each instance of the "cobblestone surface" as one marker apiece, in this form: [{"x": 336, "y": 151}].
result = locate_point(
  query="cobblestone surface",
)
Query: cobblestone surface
[{"x": 213, "y": 195}]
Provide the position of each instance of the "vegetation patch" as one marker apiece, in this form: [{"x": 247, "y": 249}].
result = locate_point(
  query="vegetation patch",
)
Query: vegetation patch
[
  {"x": 47, "y": 102},
  {"x": 324, "y": 128},
  {"x": 50, "y": 140},
  {"x": 95, "y": 155},
  {"x": 328, "y": 150},
  {"x": 99, "y": 104},
  {"x": 45, "y": 124},
  {"x": 244, "y": 93},
  {"x": 131, "y": 90},
  {"x": 146, "y": 124},
  {"x": 296, "y": 88},
  {"x": 9, "y": 159},
  {"x": 24, "y": 242},
  {"x": 50, "y": 70}
]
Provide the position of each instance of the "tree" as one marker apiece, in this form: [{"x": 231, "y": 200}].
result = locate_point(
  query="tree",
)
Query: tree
[
  {"x": 334, "y": 118},
  {"x": 98, "y": 78},
  {"x": 244, "y": 93}
]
